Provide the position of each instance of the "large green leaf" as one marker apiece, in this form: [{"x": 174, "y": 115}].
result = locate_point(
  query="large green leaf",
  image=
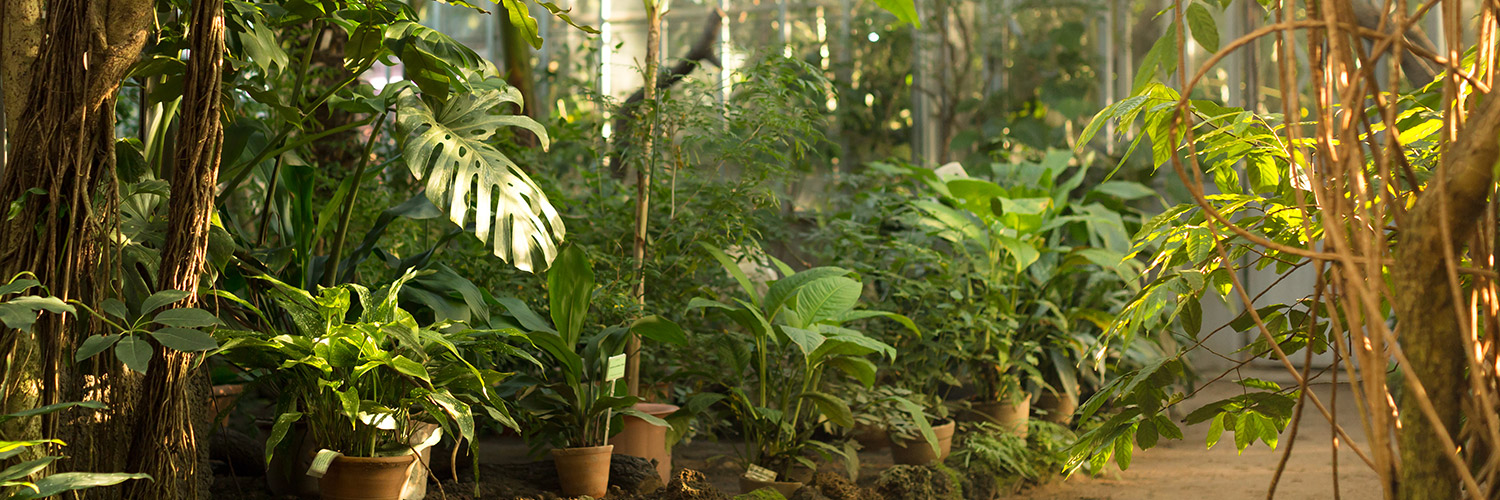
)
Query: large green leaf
[
  {"x": 447, "y": 147},
  {"x": 659, "y": 329},
  {"x": 834, "y": 408},
  {"x": 827, "y": 298},
  {"x": 134, "y": 352},
  {"x": 570, "y": 286},
  {"x": 733, "y": 268},
  {"x": 783, "y": 289},
  {"x": 70, "y": 481},
  {"x": 904, "y": 10}
]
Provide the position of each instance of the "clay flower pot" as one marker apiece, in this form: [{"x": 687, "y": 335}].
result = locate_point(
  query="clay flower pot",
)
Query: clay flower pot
[
  {"x": 1011, "y": 415},
  {"x": 786, "y": 488},
  {"x": 361, "y": 478},
  {"x": 918, "y": 452},
  {"x": 583, "y": 471},
  {"x": 224, "y": 396},
  {"x": 1059, "y": 407},
  {"x": 871, "y": 437},
  {"x": 641, "y": 439}
]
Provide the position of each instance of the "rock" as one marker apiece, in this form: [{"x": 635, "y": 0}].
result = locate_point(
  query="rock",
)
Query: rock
[
  {"x": 633, "y": 475},
  {"x": 936, "y": 482},
  {"x": 831, "y": 486},
  {"x": 239, "y": 455},
  {"x": 687, "y": 485}
]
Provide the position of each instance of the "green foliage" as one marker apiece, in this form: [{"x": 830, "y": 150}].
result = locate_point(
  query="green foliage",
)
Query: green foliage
[
  {"x": 1262, "y": 189},
  {"x": 21, "y": 310},
  {"x": 575, "y": 403},
  {"x": 989, "y": 450},
  {"x": 903, "y": 414},
  {"x": 177, "y": 328},
  {"x": 15, "y": 481},
  {"x": 361, "y": 387},
  {"x": 1037, "y": 266},
  {"x": 793, "y": 332},
  {"x": 447, "y": 147}
]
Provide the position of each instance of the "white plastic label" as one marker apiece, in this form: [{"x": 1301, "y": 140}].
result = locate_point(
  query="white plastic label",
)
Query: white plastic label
[
  {"x": 321, "y": 461},
  {"x": 759, "y": 473},
  {"x": 616, "y": 368}
]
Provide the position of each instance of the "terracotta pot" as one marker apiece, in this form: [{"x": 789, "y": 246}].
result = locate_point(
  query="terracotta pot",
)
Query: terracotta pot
[
  {"x": 287, "y": 473},
  {"x": 786, "y": 488},
  {"x": 366, "y": 478},
  {"x": 1059, "y": 407},
  {"x": 1011, "y": 415},
  {"x": 641, "y": 439},
  {"x": 224, "y": 397},
  {"x": 918, "y": 452},
  {"x": 871, "y": 437},
  {"x": 583, "y": 471}
]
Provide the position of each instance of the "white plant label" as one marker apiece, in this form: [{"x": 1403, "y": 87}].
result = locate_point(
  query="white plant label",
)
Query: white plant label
[{"x": 616, "y": 368}]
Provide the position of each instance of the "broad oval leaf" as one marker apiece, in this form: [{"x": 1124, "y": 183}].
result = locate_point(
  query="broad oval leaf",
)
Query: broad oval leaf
[
  {"x": 134, "y": 352},
  {"x": 659, "y": 329},
  {"x": 783, "y": 289},
  {"x": 447, "y": 148},
  {"x": 835, "y": 409},
  {"x": 162, "y": 298},
  {"x": 186, "y": 317},
  {"x": 114, "y": 307},
  {"x": 94, "y": 345},
  {"x": 184, "y": 339},
  {"x": 827, "y": 298}
]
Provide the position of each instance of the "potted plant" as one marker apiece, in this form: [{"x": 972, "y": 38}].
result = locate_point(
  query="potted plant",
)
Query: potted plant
[
  {"x": 370, "y": 394},
  {"x": 576, "y": 403},
  {"x": 915, "y": 435},
  {"x": 775, "y": 374},
  {"x": 1020, "y": 237}
]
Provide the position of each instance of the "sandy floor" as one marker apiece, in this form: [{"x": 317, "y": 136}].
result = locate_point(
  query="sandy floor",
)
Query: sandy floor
[{"x": 1184, "y": 469}]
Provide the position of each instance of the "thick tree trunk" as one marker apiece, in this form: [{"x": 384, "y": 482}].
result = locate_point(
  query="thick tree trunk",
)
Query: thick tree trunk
[
  {"x": 518, "y": 71},
  {"x": 1428, "y": 327},
  {"x": 60, "y": 116},
  {"x": 168, "y": 444}
]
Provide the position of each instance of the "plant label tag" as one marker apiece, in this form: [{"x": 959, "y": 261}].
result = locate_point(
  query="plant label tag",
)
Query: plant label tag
[
  {"x": 616, "y": 368},
  {"x": 321, "y": 461},
  {"x": 759, "y": 473}
]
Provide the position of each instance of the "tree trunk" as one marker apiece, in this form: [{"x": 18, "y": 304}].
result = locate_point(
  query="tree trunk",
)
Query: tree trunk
[
  {"x": 175, "y": 393},
  {"x": 1428, "y": 328},
  {"x": 518, "y": 70},
  {"x": 643, "y": 187},
  {"x": 60, "y": 115}
]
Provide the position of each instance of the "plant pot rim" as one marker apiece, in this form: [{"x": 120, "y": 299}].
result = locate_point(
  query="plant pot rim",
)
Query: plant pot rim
[
  {"x": 657, "y": 409},
  {"x": 583, "y": 450},
  {"x": 398, "y": 458},
  {"x": 234, "y": 389}
]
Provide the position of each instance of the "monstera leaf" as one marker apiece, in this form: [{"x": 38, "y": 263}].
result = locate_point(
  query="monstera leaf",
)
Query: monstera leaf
[{"x": 464, "y": 174}]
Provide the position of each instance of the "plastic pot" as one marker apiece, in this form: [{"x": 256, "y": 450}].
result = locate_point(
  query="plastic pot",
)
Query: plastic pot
[
  {"x": 366, "y": 478},
  {"x": 583, "y": 471},
  {"x": 786, "y": 488},
  {"x": 918, "y": 452},
  {"x": 641, "y": 439},
  {"x": 1012, "y": 415}
]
